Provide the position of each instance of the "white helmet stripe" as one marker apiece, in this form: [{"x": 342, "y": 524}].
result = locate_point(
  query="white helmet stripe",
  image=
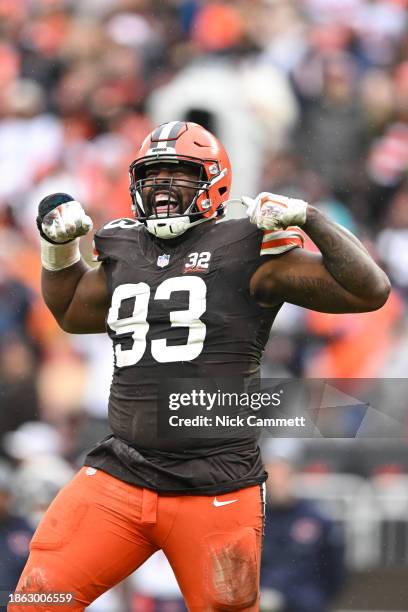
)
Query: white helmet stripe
[{"x": 164, "y": 135}]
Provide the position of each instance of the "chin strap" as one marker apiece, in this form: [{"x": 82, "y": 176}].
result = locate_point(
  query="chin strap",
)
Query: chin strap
[
  {"x": 172, "y": 227},
  {"x": 168, "y": 228}
]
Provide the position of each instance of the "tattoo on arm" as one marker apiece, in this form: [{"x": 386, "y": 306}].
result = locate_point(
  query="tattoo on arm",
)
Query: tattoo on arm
[
  {"x": 344, "y": 256},
  {"x": 319, "y": 294}
]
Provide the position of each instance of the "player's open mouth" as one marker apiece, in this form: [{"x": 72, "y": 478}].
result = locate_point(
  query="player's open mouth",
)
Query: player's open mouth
[{"x": 164, "y": 206}]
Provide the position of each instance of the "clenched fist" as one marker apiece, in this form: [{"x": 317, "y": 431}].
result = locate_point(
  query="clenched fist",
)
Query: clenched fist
[
  {"x": 61, "y": 219},
  {"x": 270, "y": 211}
]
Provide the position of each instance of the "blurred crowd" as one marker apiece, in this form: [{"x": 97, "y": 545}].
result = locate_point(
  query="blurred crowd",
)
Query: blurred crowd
[{"x": 310, "y": 97}]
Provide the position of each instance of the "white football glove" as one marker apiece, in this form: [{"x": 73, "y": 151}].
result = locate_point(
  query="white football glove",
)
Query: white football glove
[
  {"x": 66, "y": 222},
  {"x": 270, "y": 211}
]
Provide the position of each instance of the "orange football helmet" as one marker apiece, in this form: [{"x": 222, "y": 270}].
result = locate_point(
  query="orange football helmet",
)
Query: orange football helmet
[{"x": 183, "y": 143}]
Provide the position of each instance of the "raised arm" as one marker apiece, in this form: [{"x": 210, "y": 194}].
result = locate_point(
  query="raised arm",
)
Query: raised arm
[
  {"x": 76, "y": 294},
  {"x": 77, "y": 297},
  {"x": 341, "y": 278}
]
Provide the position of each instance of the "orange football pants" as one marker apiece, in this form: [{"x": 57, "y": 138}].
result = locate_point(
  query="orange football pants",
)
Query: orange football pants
[{"x": 98, "y": 530}]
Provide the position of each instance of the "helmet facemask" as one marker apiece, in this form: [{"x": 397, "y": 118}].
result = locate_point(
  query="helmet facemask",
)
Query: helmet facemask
[{"x": 170, "y": 215}]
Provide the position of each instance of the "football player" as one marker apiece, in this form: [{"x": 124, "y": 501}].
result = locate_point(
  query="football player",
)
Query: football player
[{"x": 181, "y": 296}]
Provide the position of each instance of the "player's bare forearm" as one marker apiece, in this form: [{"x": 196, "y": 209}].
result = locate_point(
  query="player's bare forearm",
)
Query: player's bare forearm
[
  {"x": 346, "y": 259},
  {"x": 77, "y": 297},
  {"x": 58, "y": 288}
]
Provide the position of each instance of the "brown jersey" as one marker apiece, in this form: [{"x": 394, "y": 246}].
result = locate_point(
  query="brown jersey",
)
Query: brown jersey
[{"x": 181, "y": 309}]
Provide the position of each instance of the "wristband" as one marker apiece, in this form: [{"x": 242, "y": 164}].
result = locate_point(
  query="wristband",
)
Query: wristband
[{"x": 56, "y": 257}]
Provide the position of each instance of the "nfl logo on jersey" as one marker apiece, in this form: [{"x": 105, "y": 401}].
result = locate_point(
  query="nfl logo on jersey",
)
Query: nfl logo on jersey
[{"x": 163, "y": 260}]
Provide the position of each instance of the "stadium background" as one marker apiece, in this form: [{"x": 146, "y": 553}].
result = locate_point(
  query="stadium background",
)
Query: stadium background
[{"x": 310, "y": 97}]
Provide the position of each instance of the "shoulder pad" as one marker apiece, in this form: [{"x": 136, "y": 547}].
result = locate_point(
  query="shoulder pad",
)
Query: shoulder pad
[
  {"x": 109, "y": 235},
  {"x": 272, "y": 242},
  {"x": 238, "y": 228},
  {"x": 123, "y": 223}
]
